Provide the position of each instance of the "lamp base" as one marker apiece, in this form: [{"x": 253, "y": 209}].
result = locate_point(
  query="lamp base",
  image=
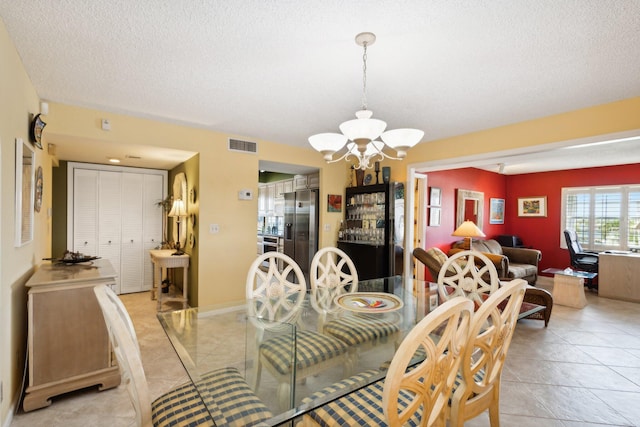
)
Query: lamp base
[
  {"x": 178, "y": 251},
  {"x": 468, "y": 241}
]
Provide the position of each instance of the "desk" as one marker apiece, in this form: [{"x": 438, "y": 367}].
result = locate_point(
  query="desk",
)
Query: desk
[
  {"x": 568, "y": 286},
  {"x": 206, "y": 339},
  {"x": 163, "y": 259},
  {"x": 619, "y": 275}
]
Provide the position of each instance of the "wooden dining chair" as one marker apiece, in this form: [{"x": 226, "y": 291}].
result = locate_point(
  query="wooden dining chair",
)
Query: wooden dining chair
[
  {"x": 276, "y": 290},
  {"x": 415, "y": 390},
  {"x": 470, "y": 274},
  {"x": 333, "y": 274},
  {"x": 477, "y": 387},
  {"x": 225, "y": 390}
]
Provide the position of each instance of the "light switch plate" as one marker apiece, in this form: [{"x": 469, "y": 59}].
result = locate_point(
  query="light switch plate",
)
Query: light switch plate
[{"x": 214, "y": 228}]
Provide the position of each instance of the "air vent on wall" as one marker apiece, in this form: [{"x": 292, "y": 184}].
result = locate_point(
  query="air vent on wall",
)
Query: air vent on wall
[{"x": 243, "y": 146}]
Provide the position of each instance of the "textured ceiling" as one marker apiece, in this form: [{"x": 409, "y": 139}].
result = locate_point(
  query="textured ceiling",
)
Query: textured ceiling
[{"x": 284, "y": 70}]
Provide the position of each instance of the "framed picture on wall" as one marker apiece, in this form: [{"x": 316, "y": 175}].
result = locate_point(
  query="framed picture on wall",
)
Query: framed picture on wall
[
  {"x": 334, "y": 203},
  {"x": 496, "y": 211},
  {"x": 434, "y": 217},
  {"x": 435, "y": 197},
  {"x": 532, "y": 206}
]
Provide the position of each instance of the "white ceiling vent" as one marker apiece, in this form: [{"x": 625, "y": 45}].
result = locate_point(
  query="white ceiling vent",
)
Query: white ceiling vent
[{"x": 243, "y": 146}]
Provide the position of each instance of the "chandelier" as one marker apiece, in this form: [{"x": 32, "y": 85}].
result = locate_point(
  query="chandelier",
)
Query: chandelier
[{"x": 359, "y": 136}]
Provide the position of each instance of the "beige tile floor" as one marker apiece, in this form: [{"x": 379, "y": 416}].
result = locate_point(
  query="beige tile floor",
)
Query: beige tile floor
[{"x": 583, "y": 370}]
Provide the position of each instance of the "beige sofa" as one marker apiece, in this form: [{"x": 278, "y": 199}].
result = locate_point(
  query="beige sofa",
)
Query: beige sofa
[{"x": 511, "y": 263}]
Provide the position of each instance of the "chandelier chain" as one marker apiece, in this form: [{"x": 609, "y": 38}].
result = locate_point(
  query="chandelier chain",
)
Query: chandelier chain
[{"x": 364, "y": 77}]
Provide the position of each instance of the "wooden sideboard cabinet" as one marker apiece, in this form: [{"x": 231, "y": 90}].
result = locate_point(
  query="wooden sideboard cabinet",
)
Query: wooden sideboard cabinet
[{"x": 68, "y": 341}]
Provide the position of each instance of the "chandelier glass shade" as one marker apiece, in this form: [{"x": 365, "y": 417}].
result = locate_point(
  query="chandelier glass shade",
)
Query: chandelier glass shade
[{"x": 359, "y": 136}]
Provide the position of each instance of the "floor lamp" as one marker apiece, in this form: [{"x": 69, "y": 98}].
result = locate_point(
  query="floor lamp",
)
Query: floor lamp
[
  {"x": 178, "y": 211},
  {"x": 468, "y": 230}
]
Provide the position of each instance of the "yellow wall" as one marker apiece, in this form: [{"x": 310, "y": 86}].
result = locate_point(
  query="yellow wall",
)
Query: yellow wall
[
  {"x": 191, "y": 169},
  {"x": 599, "y": 120},
  {"x": 18, "y": 102},
  {"x": 224, "y": 257}
]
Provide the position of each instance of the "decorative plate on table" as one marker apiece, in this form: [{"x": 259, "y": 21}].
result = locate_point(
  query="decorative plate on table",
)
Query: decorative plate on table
[{"x": 369, "y": 302}]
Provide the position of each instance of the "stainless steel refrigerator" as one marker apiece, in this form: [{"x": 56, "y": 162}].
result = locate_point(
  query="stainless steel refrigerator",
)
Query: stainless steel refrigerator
[{"x": 301, "y": 227}]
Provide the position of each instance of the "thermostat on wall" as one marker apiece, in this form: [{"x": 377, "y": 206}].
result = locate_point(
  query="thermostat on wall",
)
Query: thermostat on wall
[{"x": 245, "y": 194}]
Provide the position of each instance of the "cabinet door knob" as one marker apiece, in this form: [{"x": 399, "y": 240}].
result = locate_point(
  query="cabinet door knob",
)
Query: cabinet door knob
[
  {"x": 109, "y": 241},
  {"x": 85, "y": 243},
  {"x": 131, "y": 240}
]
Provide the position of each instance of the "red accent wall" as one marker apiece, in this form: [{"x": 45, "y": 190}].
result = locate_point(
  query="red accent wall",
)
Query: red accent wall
[
  {"x": 493, "y": 185},
  {"x": 544, "y": 233},
  {"x": 538, "y": 232}
]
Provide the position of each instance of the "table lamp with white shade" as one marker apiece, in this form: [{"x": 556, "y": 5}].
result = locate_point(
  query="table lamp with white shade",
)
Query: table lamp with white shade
[
  {"x": 468, "y": 230},
  {"x": 178, "y": 211}
]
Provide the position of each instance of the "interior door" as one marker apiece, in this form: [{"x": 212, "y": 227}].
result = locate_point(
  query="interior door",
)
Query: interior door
[{"x": 131, "y": 265}]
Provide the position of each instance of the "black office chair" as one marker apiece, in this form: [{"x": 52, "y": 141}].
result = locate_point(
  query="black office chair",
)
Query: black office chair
[{"x": 581, "y": 259}]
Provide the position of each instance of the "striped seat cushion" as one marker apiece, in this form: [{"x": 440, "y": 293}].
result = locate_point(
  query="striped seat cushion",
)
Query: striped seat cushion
[
  {"x": 359, "y": 408},
  {"x": 311, "y": 349},
  {"x": 355, "y": 330},
  {"x": 228, "y": 395}
]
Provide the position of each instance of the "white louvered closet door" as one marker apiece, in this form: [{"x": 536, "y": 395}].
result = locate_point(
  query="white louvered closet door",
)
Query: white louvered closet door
[
  {"x": 116, "y": 215},
  {"x": 131, "y": 265},
  {"x": 152, "y": 223},
  {"x": 109, "y": 233},
  {"x": 85, "y": 212}
]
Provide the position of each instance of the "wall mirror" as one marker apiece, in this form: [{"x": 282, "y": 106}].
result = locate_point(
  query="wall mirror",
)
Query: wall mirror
[
  {"x": 25, "y": 189},
  {"x": 470, "y": 207}
]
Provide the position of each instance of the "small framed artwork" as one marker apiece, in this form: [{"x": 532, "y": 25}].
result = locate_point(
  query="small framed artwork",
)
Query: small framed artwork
[
  {"x": 334, "y": 203},
  {"x": 435, "y": 197},
  {"x": 433, "y": 302},
  {"x": 434, "y": 217},
  {"x": 532, "y": 206},
  {"x": 496, "y": 211}
]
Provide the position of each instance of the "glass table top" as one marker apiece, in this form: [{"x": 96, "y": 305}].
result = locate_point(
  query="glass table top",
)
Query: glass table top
[
  {"x": 210, "y": 338},
  {"x": 571, "y": 272}
]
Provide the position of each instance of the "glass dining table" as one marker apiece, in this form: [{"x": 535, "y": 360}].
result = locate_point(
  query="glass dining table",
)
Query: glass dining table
[{"x": 210, "y": 338}]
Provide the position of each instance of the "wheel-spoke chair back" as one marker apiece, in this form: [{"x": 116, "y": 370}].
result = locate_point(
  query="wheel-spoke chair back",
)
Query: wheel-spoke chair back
[
  {"x": 333, "y": 273},
  {"x": 275, "y": 287},
  {"x": 478, "y": 385},
  {"x": 462, "y": 275}
]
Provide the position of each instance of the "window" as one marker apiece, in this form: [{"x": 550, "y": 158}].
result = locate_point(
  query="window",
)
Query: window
[{"x": 603, "y": 217}]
